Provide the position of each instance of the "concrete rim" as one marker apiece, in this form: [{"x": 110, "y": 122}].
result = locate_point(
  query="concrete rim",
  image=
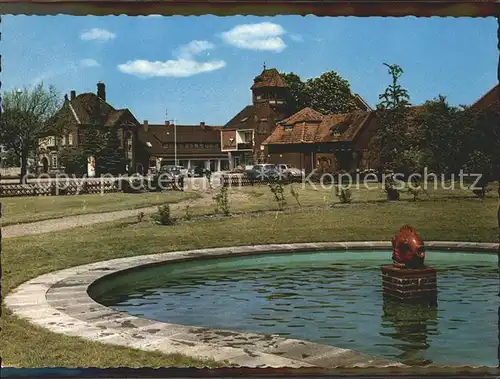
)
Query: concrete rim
[{"x": 59, "y": 302}]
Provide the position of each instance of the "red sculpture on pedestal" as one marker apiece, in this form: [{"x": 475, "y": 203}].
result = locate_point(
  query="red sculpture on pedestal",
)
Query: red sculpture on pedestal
[{"x": 408, "y": 249}]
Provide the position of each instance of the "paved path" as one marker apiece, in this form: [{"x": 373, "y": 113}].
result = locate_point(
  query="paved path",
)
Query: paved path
[{"x": 53, "y": 225}]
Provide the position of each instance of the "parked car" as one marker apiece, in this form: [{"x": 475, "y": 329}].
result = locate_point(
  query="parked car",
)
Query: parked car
[
  {"x": 242, "y": 168},
  {"x": 198, "y": 172},
  {"x": 290, "y": 171},
  {"x": 265, "y": 172}
]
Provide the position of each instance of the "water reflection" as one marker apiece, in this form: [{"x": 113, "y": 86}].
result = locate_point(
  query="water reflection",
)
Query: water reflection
[{"x": 411, "y": 326}]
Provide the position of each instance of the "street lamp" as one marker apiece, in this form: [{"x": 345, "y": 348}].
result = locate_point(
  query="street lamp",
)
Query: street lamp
[{"x": 175, "y": 140}]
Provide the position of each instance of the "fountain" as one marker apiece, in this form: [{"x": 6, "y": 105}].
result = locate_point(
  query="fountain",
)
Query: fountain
[{"x": 408, "y": 280}]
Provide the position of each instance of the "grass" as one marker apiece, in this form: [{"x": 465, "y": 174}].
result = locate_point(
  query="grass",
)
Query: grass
[
  {"x": 446, "y": 216},
  {"x": 29, "y": 209}
]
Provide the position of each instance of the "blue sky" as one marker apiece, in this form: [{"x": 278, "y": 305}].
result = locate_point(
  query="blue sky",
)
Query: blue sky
[{"x": 201, "y": 68}]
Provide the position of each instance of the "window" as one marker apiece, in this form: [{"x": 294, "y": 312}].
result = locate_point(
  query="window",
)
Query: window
[
  {"x": 70, "y": 139},
  {"x": 54, "y": 160},
  {"x": 62, "y": 140},
  {"x": 165, "y": 145},
  {"x": 247, "y": 137},
  {"x": 149, "y": 144},
  {"x": 246, "y": 118},
  {"x": 288, "y": 127}
]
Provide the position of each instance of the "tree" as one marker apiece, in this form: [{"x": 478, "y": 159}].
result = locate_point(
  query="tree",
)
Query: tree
[
  {"x": 446, "y": 132},
  {"x": 111, "y": 159},
  {"x": 396, "y": 142},
  {"x": 330, "y": 94},
  {"x": 327, "y": 94},
  {"x": 484, "y": 141},
  {"x": 24, "y": 121},
  {"x": 9, "y": 159},
  {"x": 297, "y": 89},
  {"x": 73, "y": 159}
]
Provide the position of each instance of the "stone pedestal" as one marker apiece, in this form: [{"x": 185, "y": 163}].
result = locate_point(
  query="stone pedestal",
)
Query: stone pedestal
[{"x": 417, "y": 286}]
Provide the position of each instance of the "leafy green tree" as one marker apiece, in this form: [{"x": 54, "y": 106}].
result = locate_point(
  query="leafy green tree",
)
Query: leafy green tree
[
  {"x": 484, "y": 140},
  {"x": 10, "y": 159},
  {"x": 298, "y": 90},
  {"x": 73, "y": 159},
  {"x": 24, "y": 121},
  {"x": 446, "y": 131},
  {"x": 396, "y": 143},
  {"x": 395, "y": 97},
  {"x": 111, "y": 159},
  {"x": 328, "y": 94}
]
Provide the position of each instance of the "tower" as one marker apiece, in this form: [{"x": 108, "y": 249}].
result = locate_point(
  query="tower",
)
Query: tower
[{"x": 270, "y": 87}]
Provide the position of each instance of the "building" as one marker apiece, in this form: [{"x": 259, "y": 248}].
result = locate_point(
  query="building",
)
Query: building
[
  {"x": 83, "y": 111},
  {"x": 185, "y": 145},
  {"x": 309, "y": 139},
  {"x": 489, "y": 99},
  {"x": 242, "y": 137}
]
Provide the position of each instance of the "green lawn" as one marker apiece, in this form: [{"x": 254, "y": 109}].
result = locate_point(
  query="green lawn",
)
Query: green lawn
[
  {"x": 260, "y": 198},
  {"x": 28, "y": 209},
  {"x": 446, "y": 216}
]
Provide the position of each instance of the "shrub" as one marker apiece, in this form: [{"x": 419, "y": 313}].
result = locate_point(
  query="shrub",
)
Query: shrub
[
  {"x": 391, "y": 190},
  {"x": 344, "y": 194},
  {"x": 279, "y": 194},
  {"x": 188, "y": 214},
  {"x": 222, "y": 202},
  {"x": 140, "y": 216},
  {"x": 163, "y": 215}
]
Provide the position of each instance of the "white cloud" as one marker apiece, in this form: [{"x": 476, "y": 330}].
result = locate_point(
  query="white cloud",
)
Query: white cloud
[
  {"x": 193, "y": 48},
  {"x": 97, "y": 34},
  {"x": 265, "y": 36},
  {"x": 184, "y": 66},
  {"x": 179, "y": 68},
  {"x": 89, "y": 63}
]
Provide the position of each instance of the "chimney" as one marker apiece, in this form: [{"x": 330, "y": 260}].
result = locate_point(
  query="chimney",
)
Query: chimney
[
  {"x": 146, "y": 126},
  {"x": 101, "y": 91},
  {"x": 73, "y": 95},
  {"x": 202, "y": 124},
  {"x": 66, "y": 97},
  {"x": 167, "y": 123}
]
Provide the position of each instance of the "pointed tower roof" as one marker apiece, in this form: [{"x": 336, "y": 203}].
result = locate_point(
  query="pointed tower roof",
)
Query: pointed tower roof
[{"x": 269, "y": 78}]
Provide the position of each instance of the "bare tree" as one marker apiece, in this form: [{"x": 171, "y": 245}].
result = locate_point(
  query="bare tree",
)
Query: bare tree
[{"x": 25, "y": 119}]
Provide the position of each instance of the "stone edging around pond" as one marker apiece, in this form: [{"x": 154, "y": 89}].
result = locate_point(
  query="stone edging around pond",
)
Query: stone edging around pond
[{"x": 59, "y": 302}]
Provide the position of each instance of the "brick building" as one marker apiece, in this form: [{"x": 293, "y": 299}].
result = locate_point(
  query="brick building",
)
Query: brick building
[
  {"x": 83, "y": 111},
  {"x": 309, "y": 139},
  {"x": 242, "y": 137},
  {"x": 192, "y": 145}
]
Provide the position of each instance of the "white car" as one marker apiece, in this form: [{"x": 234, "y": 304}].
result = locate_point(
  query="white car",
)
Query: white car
[{"x": 290, "y": 170}]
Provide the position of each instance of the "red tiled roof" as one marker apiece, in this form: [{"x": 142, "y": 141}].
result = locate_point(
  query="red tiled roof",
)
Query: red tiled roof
[
  {"x": 269, "y": 78},
  {"x": 304, "y": 115},
  {"x": 91, "y": 109},
  {"x": 348, "y": 125},
  {"x": 307, "y": 131},
  {"x": 488, "y": 99}
]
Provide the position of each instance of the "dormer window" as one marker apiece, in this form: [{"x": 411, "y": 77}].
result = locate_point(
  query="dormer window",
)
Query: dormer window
[
  {"x": 336, "y": 133},
  {"x": 288, "y": 127},
  {"x": 244, "y": 119},
  {"x": 149, "y": 144}
]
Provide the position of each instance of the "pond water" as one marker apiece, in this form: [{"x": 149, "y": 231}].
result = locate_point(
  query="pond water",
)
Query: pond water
[{"x": 332, "y": 298}]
